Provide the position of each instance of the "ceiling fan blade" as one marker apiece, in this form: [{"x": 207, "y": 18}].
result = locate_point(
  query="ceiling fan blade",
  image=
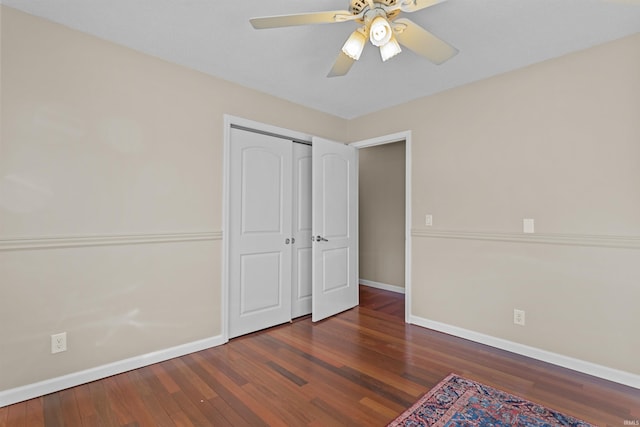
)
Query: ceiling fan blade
[
  {"x": 422, "y": 42},
  {"x": 414, "y": 5},
  {"x": 302, "y": 19},
  {"x": 341, "y": 66}
]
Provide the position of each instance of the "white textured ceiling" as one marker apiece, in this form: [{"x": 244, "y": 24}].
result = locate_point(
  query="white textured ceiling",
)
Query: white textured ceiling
[{"x": 215, "y": 37}]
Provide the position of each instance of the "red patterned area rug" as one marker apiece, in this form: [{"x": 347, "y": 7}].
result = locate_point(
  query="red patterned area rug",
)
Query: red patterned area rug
[{"x": 457, "y": 401}]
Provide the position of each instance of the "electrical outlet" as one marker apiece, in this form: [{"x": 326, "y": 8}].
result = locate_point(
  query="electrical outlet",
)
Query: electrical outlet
[
  {"x": 58, "y": 343},
  {"x": 518, "y": 317}
]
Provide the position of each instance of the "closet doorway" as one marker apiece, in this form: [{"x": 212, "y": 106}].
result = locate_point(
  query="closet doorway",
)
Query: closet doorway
[{"x": 290, "y": 227}]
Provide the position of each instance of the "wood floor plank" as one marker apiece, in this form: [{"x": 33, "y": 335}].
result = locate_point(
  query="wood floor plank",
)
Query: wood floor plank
[
  {"x": 166, "y": 399},
  {"x": 184, "y": 377},
  {"x": 231, "y": 416},
  {"x": 69, "y": 408},
  {"x": 35, "y": 413},
  {"x": 281, "y": 395},
  {"x": 359, "y": 368},
  {"x": 83, "y": 400},
  {"x": 200, "y": 412},
  {"x": 344, "y": 411},
  {"x": 320, "y": 376},
  {"x": 379, "y": 408},
  {"x": 287, "y": 374},
  {"x": 334, "y": 387},
  {"x": 164, "y": 378},
  {"x": 144, "y": 399},
  {"x": 104, "y": 414},
  {"x": 253, "y": 411},
  {"x": 15, "y": 415},
  {"x": 222, "y": 361},
  {"x": 194, "y": 395},
  {"x": 51, "y": 408}
]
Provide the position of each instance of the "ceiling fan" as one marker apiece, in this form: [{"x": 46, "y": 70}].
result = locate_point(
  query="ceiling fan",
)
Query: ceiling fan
[{"x": 379, "y": 22}]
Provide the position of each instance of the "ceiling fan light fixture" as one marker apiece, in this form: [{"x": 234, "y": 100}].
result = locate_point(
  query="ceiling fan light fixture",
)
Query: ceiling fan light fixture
[
  {"x": 354, "y": 45},
  {"x": 378, "y": 21},
  {"x": 380, "y": 31},
  {"x": 389, "y": 50}
]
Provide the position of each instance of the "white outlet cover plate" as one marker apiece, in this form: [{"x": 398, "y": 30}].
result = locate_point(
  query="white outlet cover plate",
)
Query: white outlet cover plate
[{"x": 58, "y": 343}]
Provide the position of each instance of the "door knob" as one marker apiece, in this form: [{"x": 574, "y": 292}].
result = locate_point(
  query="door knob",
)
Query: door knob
[
  {"x": 321, "y": 239},
  {"x": 286, "y": 241}
]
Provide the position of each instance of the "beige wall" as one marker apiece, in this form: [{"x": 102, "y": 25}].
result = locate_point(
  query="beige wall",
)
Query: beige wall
[
  {"x": 558, "y": 142},
  {"x": 103, "y": 147},
  {"x": 382, "y": 213}
]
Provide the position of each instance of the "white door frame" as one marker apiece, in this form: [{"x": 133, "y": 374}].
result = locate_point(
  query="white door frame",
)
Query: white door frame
[
  {"x": 388, "y": 139},
  {"x": 229, "y": 121}
]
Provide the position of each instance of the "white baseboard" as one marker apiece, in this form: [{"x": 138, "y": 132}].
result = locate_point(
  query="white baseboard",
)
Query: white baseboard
[
  {"x": 621, "y": 377},
  {"x": 41, "y": 388},
  {"x": 383, "y": 286}
]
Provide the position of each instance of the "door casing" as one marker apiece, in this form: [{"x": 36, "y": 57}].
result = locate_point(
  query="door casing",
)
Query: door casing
[{"x": 389, "y": 139}]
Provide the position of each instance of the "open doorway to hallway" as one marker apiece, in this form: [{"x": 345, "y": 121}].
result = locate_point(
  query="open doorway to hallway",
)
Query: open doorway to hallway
[{"x": 382, "y": 172}]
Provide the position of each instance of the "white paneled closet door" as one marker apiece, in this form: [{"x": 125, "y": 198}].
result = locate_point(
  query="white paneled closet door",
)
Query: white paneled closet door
[
  {"x": 292, "y": 230},
  {"x": 301, "y": 226},
  {"x": 260, "y": 250},
  {"x": 335, "y": 228}
]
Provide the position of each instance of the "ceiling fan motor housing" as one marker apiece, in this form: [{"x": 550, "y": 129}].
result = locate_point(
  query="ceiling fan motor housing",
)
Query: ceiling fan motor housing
[{"x": 357, "y": 6}]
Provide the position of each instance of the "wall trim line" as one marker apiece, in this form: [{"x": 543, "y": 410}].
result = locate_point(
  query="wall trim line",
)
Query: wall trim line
[
  {"x": 623, "y": 242},
  {"x": 600, "y": 371},
  {"x": 30, "y": 391},
  {"x": 104, "y": 240},
  {"x": 383, "y": 286}
]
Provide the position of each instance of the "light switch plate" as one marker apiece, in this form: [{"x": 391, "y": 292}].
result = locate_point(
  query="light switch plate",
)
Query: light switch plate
[
  {"x": 528, "y": 226},
  {"x": 428, "y": 220}
]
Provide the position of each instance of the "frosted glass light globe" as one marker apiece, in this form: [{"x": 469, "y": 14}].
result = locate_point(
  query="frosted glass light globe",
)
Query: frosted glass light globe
[{"x": 380, "y": 31}]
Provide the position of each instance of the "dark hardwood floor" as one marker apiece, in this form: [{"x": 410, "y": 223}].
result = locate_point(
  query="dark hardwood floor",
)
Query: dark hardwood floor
[{"x": 362, "y": 367}]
